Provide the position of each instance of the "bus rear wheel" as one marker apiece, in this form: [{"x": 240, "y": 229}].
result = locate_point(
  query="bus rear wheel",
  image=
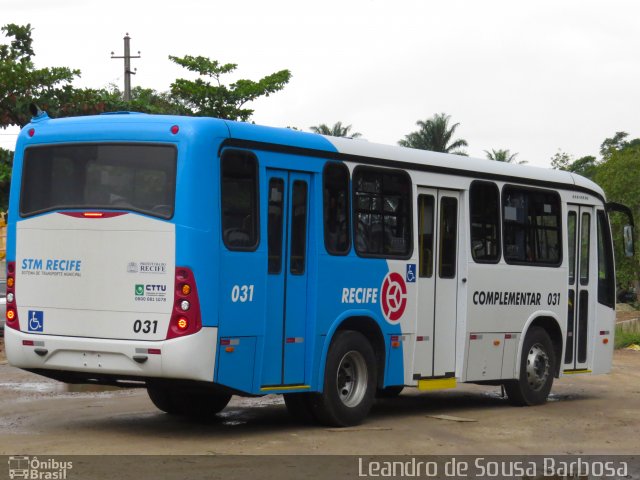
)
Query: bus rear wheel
[
  {"x": 299, "y": 407},
  {"x": 537, "y": 369},
  {"x": 349, "y": 381},
  {"x": 198, "y": 404}
]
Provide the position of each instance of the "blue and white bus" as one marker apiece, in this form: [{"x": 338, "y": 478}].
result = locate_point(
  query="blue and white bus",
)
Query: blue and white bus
[{"x": 203, "y": 258}]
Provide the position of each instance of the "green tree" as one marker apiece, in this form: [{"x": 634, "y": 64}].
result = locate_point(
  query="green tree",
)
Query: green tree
[
  {"x": 619, "y": 176},
  {"x": 586, "y": 166},
  {"x": 616, "y": 143},
  {"x": 22, "y": 83},
  {"x": 337, "y": 130},
  {"x": 208, "y": 96},
  {"x": 435, "y": 134},
  {"x": 503, "y": 156},
  {"x": 610, "y": 145},
  {"x": 561, "y": 160},
  {"x": 51, "y": 89}
]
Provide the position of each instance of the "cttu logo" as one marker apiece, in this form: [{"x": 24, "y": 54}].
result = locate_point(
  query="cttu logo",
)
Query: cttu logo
[{"x": 139, "y": 290}]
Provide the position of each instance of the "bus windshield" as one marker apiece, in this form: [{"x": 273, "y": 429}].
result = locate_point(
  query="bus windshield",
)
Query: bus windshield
[{"x": 137, "y": 177}]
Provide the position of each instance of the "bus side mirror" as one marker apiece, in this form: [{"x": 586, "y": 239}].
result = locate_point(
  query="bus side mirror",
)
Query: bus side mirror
[{"x": 629, "y": 250}]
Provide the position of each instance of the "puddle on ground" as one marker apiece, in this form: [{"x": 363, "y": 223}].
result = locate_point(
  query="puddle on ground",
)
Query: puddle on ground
[
  {"x": 553, "y": 397},
  {"x": 266, "y": 401},
  {"x": 233, "y": 423},
  {"x": 46, "y": 387}
]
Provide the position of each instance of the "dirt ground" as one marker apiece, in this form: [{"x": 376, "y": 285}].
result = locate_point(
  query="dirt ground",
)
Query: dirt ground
[{"x": 585, "y": 415}]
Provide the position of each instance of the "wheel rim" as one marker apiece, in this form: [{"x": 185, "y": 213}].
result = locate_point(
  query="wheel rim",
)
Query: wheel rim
[
  {"x": 537, "y": 367},
  {"x": 352, "y": 378}
]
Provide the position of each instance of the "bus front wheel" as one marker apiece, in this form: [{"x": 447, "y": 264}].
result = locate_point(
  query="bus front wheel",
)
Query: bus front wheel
[
  {"x": 203, "y": 404},
  {"x": 349, "y": 381},
  {"x": 537, "y": 369}
]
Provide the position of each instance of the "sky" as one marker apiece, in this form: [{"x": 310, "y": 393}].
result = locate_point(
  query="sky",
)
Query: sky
[{"x": 531, "y": 77}]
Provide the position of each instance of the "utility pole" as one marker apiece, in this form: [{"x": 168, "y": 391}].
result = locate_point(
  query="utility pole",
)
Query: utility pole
[{"x": 127, "y": 67}]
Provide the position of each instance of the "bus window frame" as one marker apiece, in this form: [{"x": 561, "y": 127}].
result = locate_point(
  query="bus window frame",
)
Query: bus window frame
[
  {"x": 603, "y": 227},
  {"x": 332, "y": 164},
  {"x": 88, "y": 207},
  {"x": 254, "y": 247},
  {"x": 558, "y": 264},
  {"x": 410, "y": 219},
  {"x": 500, "y": 222}
]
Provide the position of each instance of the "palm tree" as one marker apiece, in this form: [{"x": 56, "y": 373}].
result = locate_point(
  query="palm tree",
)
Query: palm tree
[
  {"x": 338, "y": 130},
  {"x": 503, "y": 156},
  {"x": 436, "y": 135}
]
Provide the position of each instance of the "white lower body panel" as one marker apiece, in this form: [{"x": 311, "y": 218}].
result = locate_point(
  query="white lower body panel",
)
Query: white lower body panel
[{"x": 189, "y": 358}]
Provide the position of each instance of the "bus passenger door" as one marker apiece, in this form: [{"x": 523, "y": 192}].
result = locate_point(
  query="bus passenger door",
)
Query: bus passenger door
[
  {"x": 582, "y": 284},
  {"x": 287, "y": 236},
  {"x": 437, "y": 282}
]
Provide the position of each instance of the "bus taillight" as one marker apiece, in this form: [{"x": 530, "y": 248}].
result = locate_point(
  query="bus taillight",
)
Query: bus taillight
[
  {"x": 185, "y": 318},
  {"x": 12, "y": 309}
]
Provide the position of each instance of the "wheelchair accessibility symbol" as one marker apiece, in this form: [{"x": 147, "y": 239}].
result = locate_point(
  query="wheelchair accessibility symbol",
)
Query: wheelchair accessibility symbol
[
  {"x": 411, "y": 272},
  {"x": 36, "y": 321}
]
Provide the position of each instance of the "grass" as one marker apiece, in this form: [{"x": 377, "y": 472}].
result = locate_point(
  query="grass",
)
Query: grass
[{"x": 624, "y": 339}]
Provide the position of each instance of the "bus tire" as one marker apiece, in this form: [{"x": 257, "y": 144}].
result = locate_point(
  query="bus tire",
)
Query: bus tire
[
  {"x": 299, "y": 407},
  {"x": 163, "y": 398},
  {"x": 349, "y": 381},
  {"x": 390, "y": 392},
  {"x": 191, "y": 404},
  {"x": 537, "y": 367},
  {"x": 205, "y": 404}
]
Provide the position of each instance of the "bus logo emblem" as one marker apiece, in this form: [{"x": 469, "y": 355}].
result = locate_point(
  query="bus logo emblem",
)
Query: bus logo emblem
[
  {"x": 394, "y": 297},
  {"x": 139, "y": 290}
]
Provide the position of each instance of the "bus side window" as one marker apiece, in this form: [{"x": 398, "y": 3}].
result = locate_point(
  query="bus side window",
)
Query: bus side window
[
  {"x": 336, "y": 208},
  {"x": 448, "y": 232},
  {"x": 298, "y": 228},
  {"x": 382, "y": 212},
  {"x": 274, "y": 224},
  {"x": 572, "y": 226},
  {"x": 532, "y": 230},
  {"x": 484, "y": 203},
  {"x": 239, "y": 200},
  {"x": 425, "y": 234},
  {"x": 585, "y": 240},
  {"x": 606, "y": 279}
]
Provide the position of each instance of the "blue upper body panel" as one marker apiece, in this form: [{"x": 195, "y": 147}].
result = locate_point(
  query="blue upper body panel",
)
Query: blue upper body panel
[{"x": 197, "y": 219}]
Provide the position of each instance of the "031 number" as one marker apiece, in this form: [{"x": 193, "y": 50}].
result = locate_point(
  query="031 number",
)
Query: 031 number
[
  {"x": 242, "y": 293},
  {"x": 146, "y": 326}
]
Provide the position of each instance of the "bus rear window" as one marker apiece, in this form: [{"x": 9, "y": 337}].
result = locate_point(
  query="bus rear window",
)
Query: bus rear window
[{"x": 140, "y": 178}]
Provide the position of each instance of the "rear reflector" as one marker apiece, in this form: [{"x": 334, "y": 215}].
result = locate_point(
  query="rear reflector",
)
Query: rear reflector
[
  {"x": 27, "y": 343},
  {"x": 154, "y": 351}
]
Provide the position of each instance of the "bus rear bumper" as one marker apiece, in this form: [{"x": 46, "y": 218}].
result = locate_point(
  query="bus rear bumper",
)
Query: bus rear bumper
[{"x": 188, "y": 358}]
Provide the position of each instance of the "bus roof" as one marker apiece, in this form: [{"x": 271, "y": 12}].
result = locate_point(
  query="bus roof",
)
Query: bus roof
[
  {"x": 362, "y": 150},
  {"x": 310, "y": 143}
]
